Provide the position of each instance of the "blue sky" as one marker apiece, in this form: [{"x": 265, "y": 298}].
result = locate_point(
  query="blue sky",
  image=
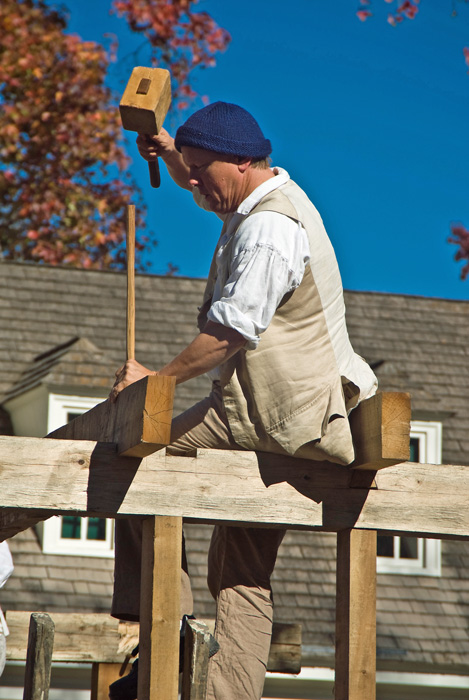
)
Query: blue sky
[{"x": 371, "y": 120}]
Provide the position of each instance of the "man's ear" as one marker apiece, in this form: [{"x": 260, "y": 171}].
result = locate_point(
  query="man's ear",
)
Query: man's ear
[{"x": 243, "y": 163}]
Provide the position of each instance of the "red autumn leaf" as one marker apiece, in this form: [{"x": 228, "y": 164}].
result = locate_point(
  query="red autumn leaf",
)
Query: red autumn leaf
[
  {"x": 460, "y": 237},
  {"x": 363, "y": 15}
]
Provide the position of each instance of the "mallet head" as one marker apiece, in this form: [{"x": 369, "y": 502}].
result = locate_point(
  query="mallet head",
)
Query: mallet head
[{"x": 146, "y": 100}]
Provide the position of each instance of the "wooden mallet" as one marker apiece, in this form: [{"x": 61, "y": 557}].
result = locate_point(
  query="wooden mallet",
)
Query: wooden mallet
[{"x": 144, "y": 106}]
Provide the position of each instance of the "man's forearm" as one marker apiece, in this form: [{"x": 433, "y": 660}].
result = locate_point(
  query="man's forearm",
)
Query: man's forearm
[
  {"x": 214, "y": 345},
  {"x": 177, "y": 169}
]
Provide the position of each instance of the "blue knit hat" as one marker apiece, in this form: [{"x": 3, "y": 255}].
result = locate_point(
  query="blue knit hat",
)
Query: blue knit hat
[{"x": 224, "y": 128}]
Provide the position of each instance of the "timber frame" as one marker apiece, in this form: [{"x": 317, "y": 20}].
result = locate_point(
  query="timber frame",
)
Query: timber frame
[{"x": 82, "y": 469}]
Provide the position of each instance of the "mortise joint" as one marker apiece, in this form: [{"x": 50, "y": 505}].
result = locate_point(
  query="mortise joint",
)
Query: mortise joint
[{"x": 143, "y": 86}]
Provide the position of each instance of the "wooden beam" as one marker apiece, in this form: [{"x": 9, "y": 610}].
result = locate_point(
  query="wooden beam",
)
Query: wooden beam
[
  {"x": 196, "y": 657},
  {"x": 100, "y": 639},
  {"x": 79, "y": 637},
  {"x": 158, "y": 670},
  {"x": 86, "y": 478},
  {"x": 355, "y": 658},
  {"x": 13, "y": 520},
  {"x": 285, "y": 648},
  {"x": 381, "y": 430},
  {"x": 139, "y": 422},
  {"x": 39, "y": 657}
]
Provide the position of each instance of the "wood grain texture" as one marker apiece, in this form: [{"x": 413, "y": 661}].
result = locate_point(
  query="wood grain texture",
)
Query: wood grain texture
[
  {"x": 381, "y": 430},
  {"x": 145, "y": 111},
  {"x": 39, "y": 657},
  {"x": 355, "y": 660},
  {"x": 102, "y": 675},
  {"x": 79, "y": 637},
  {"x": 13, "y": 520},
  {"x": 285, "y": 648},
  {"x": 221, "y": 485},
  {"x": 139, "y": 422},
  {"x": 158, "y": 671},
  {"x": 130, "y": 254},
  {"x": 99, "y": 638},
  {"x": 196, "y": 658}
]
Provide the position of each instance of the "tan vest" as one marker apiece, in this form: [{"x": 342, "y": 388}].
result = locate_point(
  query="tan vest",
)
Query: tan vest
[{"x": 287, "y": 396}]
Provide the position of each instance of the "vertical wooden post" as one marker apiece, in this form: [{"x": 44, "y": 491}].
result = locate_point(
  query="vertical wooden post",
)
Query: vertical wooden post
[
  {"x": 102, "y": 675},
  {"x": 196, "y": 657},
  {"x": 39, "y": 657},
  {"x": 158, "y": 666},
  {"x": 355, "y": 659}
]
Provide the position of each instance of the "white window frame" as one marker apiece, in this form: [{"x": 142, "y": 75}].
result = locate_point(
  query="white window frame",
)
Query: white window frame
[
  {"x": 50, "y": 532},
  {"x": 428, "y": 563}
]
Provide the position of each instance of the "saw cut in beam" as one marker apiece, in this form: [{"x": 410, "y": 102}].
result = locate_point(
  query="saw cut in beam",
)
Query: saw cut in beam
[
  {"x": 139, "y": 422},
  {"x": 381, "y": 430}
]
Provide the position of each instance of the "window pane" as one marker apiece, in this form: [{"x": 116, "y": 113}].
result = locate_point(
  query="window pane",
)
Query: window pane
[
  {"x": 409, "y": 548},
  {"x": 414, "y": 450},
  {"x": 71, "y": 527},
  {"x": 96, "y": 529},
  {"x": 385, "y": 546},
  {"x": 72, "y": 416}
]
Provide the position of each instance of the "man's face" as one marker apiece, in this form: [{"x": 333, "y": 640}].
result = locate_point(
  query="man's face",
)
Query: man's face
[{"x": 218, "y": 178}]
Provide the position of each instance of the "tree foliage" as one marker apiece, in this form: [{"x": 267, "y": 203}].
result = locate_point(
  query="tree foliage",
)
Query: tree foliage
[
  {"x": 460, "y": 237},
  {"x": 63, "y": 182},
  {"x": 181, "y": 38},
  {"x": 400, "y": 10}
]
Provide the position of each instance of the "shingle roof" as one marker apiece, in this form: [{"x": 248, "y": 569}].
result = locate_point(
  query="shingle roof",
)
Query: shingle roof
[
  {"x": 417, "y": 344},
  {"x": 77, "y": 363},
  {"x": 42, "y": 307}
]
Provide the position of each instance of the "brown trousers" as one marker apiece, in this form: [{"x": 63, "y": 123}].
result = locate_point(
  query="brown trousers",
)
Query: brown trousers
[{"x": 240, "y": 563}]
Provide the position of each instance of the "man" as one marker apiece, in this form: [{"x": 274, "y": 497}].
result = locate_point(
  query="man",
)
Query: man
[{"x": 274, "y": 340}]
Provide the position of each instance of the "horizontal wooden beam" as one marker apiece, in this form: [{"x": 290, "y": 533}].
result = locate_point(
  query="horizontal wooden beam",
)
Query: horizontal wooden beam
[
  {"x": 79, "y": 637},
  {"x": 14, "y": 520},
  {"x": 99, "y": 638},
  {"x": 139, "y": 422},
  {"x": 87, "y": 478}
]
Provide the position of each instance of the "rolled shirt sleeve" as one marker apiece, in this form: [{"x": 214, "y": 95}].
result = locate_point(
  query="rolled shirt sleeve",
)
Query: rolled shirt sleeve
[{"x": 267, "y": 261}]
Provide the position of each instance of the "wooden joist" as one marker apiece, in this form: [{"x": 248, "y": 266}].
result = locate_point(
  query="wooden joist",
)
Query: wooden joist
[
  {"x": 139, "y": 422},
  {"x": 61, "y": 476},
  {"x": 100, "y": 639},
  {"x": 79, "y": 637}
]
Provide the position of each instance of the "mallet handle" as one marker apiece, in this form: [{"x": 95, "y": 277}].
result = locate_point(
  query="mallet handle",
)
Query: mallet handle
[
  {"x": 130, "y": 241},
  {"x": 154, "y": 169}
]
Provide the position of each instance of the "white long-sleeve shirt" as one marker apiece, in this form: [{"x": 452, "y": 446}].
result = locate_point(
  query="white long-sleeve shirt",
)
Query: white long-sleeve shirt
[
  {"x": 267, "y": 261},
  {"x": 6, "y": 569}
]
